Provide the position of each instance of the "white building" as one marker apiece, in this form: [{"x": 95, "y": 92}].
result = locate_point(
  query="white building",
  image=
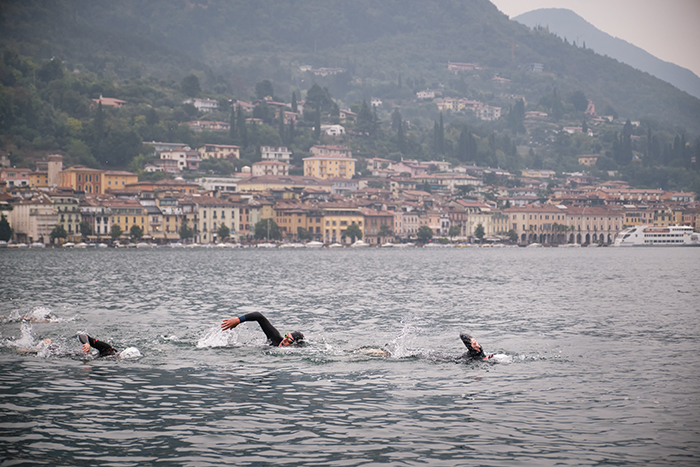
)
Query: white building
[
  {"x": 333, "y": 130},
  {"x": 276, "y": 153},
  {"x": 270, "y": 168},
  {"x": 488, "y": 113},
  {"x": 203, "y": 105}
]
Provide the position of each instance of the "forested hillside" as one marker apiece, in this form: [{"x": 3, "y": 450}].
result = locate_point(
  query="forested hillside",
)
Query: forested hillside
[{"x": 57, "y": 56}]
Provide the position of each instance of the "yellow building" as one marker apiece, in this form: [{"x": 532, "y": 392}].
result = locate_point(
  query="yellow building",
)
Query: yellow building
[
  {"x": 337, "y": 218},
  {"x": 81, "y": 178},
  {"x": 39, "y": 179},
  {"x": 266, "y": 183},
  {"x": 126, "y": 213},
  {"x": 219, "y": 151},
  {"x": 325, "y": 166},
  {"x": 118, "y": 179}
]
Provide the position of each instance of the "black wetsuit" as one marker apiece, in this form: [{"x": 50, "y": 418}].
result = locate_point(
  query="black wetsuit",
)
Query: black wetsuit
[
  {"x": 104, "y": 348},
  {"x": 273, "y": 335}
]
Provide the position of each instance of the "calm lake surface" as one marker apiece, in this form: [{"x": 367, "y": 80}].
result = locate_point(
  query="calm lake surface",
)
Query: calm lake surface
[{"x": 598, "y": 357}]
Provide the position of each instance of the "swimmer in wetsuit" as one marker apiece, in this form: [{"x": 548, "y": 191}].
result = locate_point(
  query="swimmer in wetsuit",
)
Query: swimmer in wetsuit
[
  {"x": 273, "y": 335},
  {"x": 474, "y": 350},
  {"x": 104, "y": 348}
]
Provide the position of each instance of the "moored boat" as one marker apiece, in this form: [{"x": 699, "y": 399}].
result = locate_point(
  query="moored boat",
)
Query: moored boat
[{"x": 653, "y": 235}]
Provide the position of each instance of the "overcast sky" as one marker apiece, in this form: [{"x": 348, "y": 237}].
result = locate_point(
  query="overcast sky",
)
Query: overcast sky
[{"x": 667, "y": 29}]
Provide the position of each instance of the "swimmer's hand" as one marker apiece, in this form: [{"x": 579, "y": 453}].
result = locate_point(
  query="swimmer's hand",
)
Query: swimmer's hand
[
  {"x": 86, "y": 347},
  {"x": 486, "y": 358},
  {"x": 230, "y": 323}
]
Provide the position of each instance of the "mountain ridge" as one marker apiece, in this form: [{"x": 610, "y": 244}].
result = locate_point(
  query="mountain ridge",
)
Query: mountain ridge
[{"x": 567, "y": 24}]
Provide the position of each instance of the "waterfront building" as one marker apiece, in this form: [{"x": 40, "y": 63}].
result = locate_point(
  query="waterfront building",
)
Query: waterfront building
[
  {"x": 212, "y": 213},
  {"x": 33, "y": 219},
  {"x": 67, "y": 207}
]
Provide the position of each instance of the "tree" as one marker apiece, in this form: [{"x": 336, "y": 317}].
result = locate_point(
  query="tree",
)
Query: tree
[
  {"x": 365, "y": 120},
  {"x": 385, "y": 231},
  {"x": 317, "y": 123},
  {"x": 267, "y": 229},
  {"x": 303, "y": 234},
  {"x": 58, "y": 232},
  {"x": 295, "y": 107},
  {"x": 579, "y": 101},
  {"x": 185, "y": 231},
  {"x": 85, "y": 229},
  {"x": 512, "y": 236},
  {"x": 264, "y": 89},
  {"x": 354, "y": 232},
  {"x": 516, "y": 117},
  {"x": 115, "y": 232},
  {"x": 136, "y": 232},
  {"x": 241, "y": 127},
  {"x": 223, "y": 232},
  {"x": 479, "y": 232},
  {"x": 5, "y": 229},
  {"x": 51, "y": 70},
  {"x": 424, "y": 234},
  {"x": 454, "y": 231},
  {"x": 190, "y": 86}
]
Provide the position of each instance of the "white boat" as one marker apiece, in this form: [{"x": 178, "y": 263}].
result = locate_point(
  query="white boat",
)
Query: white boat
[
  {"x": 101, "y": 245},
  {"x": 387, "y": 245},
  {"x": 652, "y": 235},
  {"x": 569, "y": 245},
  {"x": 335, "y": 245},
  {"x": 314, "y": 244},
  {"x": 81, "y": 245},
  {"x": 37, "y": 245},
  {"x": 3, "y": 244},
  {"x": 359, "y": 244},
  {"x": 68, "y": 245},
  {"x": 534, "y": 245},
  {"x": 143, "y": 245},
  {"x": 266, "y": 245}
]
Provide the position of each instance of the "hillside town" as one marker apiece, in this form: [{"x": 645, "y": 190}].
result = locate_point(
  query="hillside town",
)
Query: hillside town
[{"x": 390, "y": 202}]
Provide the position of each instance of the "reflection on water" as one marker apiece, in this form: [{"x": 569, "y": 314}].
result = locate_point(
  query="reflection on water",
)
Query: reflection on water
[{"x": 598, "y": 357}]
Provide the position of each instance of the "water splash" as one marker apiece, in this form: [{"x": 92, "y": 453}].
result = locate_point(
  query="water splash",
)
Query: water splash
[
  {"x": 217, "y": 338},
  {"x": 129, "y": 353},
  {"x": 399, "y": 347}
]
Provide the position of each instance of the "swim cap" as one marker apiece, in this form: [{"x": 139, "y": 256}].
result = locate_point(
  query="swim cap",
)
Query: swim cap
[
  {"x": 467, "y": 339},
  {"x": 297, "y": 336}
]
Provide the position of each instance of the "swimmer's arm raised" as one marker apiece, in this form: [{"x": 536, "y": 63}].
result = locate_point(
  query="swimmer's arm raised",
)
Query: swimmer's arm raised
[{"x": 230, "y": 323}]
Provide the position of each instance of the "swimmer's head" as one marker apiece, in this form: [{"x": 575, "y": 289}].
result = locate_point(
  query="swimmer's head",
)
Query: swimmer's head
[
  {"x": 292, "y": 338},
  {"x": 470, "y": 342}
]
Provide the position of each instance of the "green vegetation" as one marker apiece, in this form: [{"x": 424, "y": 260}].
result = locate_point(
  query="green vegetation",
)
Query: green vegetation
[
  {"x": 50, "y": 76},
  {"x": 58, "y": 232},
  {"x": 5, "y": 229},
  {"x": 353, "y": 232},
  {"x": 267, "y": 229}
]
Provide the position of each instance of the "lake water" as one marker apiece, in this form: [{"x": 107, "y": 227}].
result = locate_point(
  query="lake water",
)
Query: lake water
[{"x": 598, "y": 357}]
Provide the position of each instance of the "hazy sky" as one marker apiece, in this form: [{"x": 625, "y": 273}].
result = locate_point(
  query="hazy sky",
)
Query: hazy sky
[{"x": 667, "y": 29}]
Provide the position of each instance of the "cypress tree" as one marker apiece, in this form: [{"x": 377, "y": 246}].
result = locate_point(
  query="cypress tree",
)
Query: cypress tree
[
  {"x": 241, "y": 127},
  {"x": 232, "y": 123},
  {"x": 294, "y": 102},
  {"x": 281, "y": 125},
  {"x": 317, "y": 123}
]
